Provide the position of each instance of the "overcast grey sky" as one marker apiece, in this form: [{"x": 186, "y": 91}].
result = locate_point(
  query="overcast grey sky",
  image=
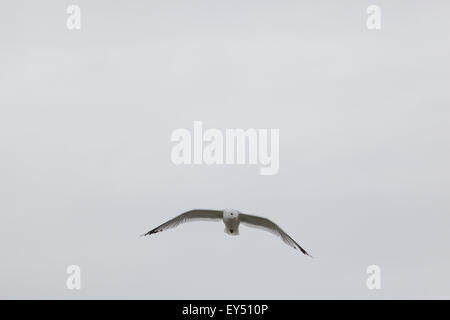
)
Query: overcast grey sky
[{"x": 86, "y": 118}]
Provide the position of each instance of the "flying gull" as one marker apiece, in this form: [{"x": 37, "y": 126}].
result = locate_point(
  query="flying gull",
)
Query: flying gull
[{"x": 231, "y": 218}]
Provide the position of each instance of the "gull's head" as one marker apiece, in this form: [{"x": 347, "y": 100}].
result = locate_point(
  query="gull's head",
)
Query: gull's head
[{"x": 230, "y": 214}]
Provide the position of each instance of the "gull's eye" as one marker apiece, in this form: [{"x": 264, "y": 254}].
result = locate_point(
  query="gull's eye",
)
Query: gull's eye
[{"x": 231, "y": 213}]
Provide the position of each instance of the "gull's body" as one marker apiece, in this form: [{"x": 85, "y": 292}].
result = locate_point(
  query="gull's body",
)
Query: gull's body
[{"x": 231, "y": 219}]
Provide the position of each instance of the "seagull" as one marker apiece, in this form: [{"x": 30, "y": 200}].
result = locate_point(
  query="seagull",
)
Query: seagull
[{"x": 231, "y": 218}]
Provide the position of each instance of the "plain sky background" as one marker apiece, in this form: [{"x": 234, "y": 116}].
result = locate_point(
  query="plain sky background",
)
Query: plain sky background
[{"x": 85, "y": 124}]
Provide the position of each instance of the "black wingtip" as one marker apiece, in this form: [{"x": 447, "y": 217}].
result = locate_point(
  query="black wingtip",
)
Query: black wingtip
[
  {"x": 305, "y": 253},
  {"x": 149, "y": 233}
]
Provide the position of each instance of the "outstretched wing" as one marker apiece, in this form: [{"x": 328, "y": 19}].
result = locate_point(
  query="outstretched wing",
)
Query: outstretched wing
[
  {"x": 192, "y": 215},
  {"x": 267, "y": 225}
]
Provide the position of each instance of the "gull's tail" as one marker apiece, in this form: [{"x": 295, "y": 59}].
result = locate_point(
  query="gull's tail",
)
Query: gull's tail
[{"x": 232, "y": 232}]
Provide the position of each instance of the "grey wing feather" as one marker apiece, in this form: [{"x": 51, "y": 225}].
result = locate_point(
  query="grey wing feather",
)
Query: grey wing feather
[
  {"x": 268, "y": 225},
  {"x": 192, "y": 215}
]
